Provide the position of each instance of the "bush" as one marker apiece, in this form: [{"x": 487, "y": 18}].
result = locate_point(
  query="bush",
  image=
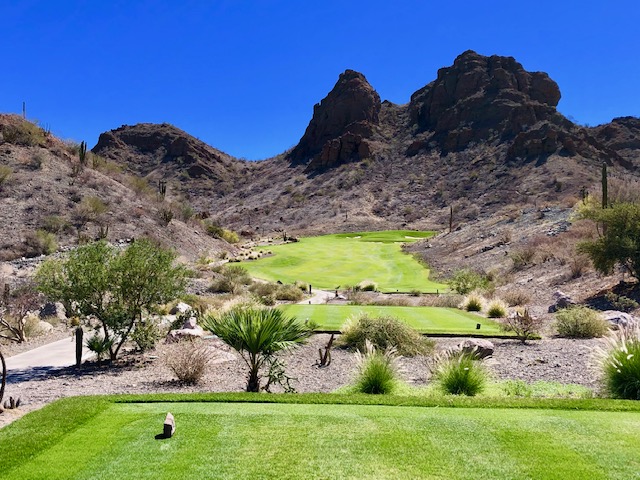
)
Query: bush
[
  {"x": 234, "y": 278},
  {"x": 465, "y": 281},
  {"x": 523, "y": 324},
  {"x": 473, "y": 303},
  {"x": 5, "y": 174},
  {"x": 289, "y": 293},
  {"x": 99, "y": 345},
  {"x": 516, "y": 297},
  {"x": 367, "y": 286},
  {"x": 146, "y": 334},
  {"x": 40, "y": 242},
  {"x": 580, "y": 322},
  {"x": 459, "y": 373},
  {"x": 523, "y": 257},
  {"x": 24, "y": 133},
  {"x": 376, "y": 371},
  {"x": 384, "y": 332},
  {"x": 188, "y": 360},
  {"x": 620, "y": 302},
  {"x": 620, "y": 363},
  {"x": 497, "y": 309}
]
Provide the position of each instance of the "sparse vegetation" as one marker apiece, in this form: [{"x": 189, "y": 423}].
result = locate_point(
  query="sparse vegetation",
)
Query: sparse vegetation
[
  {"x": 5, "y": 174},
  {"x": 580, "y": 322},
  {"x": 40, "y": 242},
  {"x": 188, "y": 360},
  {"x": 523, "y": 324},
  {"x": 465, "y": 281}
]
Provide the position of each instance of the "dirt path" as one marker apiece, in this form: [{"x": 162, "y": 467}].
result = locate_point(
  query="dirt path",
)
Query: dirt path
[{"x": 319, "y": 297}]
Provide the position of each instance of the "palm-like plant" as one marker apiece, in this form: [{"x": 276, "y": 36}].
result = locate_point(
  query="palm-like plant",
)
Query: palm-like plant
[{"x": 257, "y": 334}]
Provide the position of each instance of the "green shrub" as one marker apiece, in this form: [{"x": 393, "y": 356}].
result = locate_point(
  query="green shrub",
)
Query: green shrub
[
  {"x": 40, "y": 242},
  {"x": 517, "y": 388},
  {"x": 146, "y": 334},
  {"x": 367, "y": 286},
  {"x": 460, "y": 373},
  {"x": 140, "y": 185},
  {"x": 465, "y": 281},
  {"x": 522, "y": 257},
  {"x": 229, "y": 236},
  {"x": 376, "y": 371},
  {"x": 55, "y": 224},
  {"x": 620, "y": 363},
  {"x": 384, "y": 332},
  {"x": 5, "y": 174},
  {"x": 620, "y": 302},
  {"x": 24, "y": 133},
  {"x": 289, "y": 293},
  {"x": 580, "y": 322},
  {"x": 496, "y": 309},
  {"x": 473, "y": 303},
  {"x": 99, "y": 345}
]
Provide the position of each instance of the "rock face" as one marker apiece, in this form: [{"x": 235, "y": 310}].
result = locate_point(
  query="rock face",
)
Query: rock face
[
  {"x": 163, "y": 151},
  {"x": 341, "y": 124},
  {"x": 621, "y": 135}
]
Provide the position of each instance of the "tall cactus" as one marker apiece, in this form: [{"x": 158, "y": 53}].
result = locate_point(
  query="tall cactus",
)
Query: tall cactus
[
  {"x": 82, "y": 153},
  {"x": 605, "y": 191}
]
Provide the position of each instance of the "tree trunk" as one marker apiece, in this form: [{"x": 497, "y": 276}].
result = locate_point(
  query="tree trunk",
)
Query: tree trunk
[
  {"x": 253, "y": 384},
  {"x": 4, "y": 377}
]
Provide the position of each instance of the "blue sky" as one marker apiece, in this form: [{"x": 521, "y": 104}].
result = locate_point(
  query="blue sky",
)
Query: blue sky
[{"x": 243, "y": 76}]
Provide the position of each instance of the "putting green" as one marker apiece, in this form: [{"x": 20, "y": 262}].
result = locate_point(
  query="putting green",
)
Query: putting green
[
  {"x": 346, "y": 259},
  {"x": 434, "y": 320},
  {"x": 293, "y": 441}
]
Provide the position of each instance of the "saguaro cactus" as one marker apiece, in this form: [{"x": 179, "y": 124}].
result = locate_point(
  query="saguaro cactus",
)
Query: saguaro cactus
[{"x": 605, "y": 190}]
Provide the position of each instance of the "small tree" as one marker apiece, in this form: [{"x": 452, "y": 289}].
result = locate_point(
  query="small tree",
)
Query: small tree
[
  {"x": 619, "y": 242},
  {"x": 113, "y": 286},
  {"x": 524, "y": 325},
  {"x": 258, "y": 334}
]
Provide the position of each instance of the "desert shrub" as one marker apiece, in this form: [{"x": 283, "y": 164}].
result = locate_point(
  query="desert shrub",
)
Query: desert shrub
[
  {"x": 146, "y": 334},
  {"x": 140, "y": 185},
  {"x": 472, "y": 303},
  {"x": 460, "y": 373},
  {"x": 377, "y": 372},
  {"x": 367, "y": 286},
  {"x": 465, "y": 281},
  {"x": 40, "y": 242},
  {"x": 522, "y": 257},
  {"x": 302, "y": 286},
  {"x": 5, "y": 174},
  {"x": 415, "y": 292},
  {"x": 620, "y": 302},
  {"x": 516, "y": 297},
  {"x": 580, "y": 322},
  {"x": 55, "y": 224},
  {"x": 229, "y": 236},
  {"x": 497, "y": 309},
  {"x": 24, "y": 133},
  {"x": 188, "y": 360},
  {"x": 577, "y": 266},
  {"x": 32, "y": 326},
  {"x": 289, "y": 293},
  {"x": 233, "y": 279},
  {"x": 444, "y": 301},
  {"x": 383, "y": 332},
  {"x": 524, "y": 325},
  {"x": 620, "y": 363}
]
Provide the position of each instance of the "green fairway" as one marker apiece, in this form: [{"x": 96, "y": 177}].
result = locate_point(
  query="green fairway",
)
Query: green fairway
[
  {"x": 424, "y": 319},
  {"x": 294, "y": 441},
  {"x": 346, "y": 259}
]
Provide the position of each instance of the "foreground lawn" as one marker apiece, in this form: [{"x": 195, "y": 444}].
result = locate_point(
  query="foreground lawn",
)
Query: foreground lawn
[
  {"x": 341, "y": 260},
  {"x": 94, "y": 438},
  {"x": 434, "y": 320}
]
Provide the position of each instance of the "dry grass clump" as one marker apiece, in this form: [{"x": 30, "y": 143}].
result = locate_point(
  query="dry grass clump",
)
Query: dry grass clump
[
  {"x": 188, "y": 360},
  {"x": 516, "y": 297},
  {"x": 444, "y": 301},
  {"x": 496, "y": 309},
  {"x": 384, "y": 332},
  {"x": 473, "y": 303}
]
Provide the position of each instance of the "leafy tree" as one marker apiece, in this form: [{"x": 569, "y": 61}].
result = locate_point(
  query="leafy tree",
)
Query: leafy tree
[
  {"x": 619, "y": 240},
  {"x": 258, "y": 334},
  {"x": 114, "y": 286}
]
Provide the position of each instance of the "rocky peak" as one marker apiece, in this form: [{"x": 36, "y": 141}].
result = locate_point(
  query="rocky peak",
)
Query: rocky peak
[
  {"x": 481, "y": 97},
  {"x": 341, "y": 124}
]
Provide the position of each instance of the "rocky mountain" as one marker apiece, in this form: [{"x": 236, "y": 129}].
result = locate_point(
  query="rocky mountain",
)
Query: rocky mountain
[{"x": 164, "y": 152}]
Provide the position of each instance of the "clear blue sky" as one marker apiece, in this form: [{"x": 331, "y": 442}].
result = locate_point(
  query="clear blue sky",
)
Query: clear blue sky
[{"x": 243, "y": 76}]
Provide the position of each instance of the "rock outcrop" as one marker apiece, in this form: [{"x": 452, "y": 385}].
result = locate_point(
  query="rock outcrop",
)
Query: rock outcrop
[{"x": 341, "y": 125}]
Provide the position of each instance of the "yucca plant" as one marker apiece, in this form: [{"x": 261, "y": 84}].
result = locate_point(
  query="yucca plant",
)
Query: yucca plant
[
  {"x": 257, "y": 334},
  {"x": 620, "y": 363},
  {"x": 99, "y": 345},
  {"x": 376, "y": 370}
]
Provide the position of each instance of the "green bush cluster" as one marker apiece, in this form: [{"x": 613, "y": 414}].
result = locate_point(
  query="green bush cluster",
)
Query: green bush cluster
[
  {"x": 146, "y": 334},
  {"x": 232, "y": 280},
  {"x": 580, "y": 322},
  {"x": 384, "y": 332},
  {"x": 24, "y": 133},
  {"x": 460, "y": 373},
  {"x": 40, "y": 242},
  {"x": 465, "y": 281}
]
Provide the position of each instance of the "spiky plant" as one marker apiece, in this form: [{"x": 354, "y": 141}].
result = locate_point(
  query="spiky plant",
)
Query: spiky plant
[
  {"x": 619, "y": 361},
  {"x": 376, "y": 370},
  {"x": 257, "y": 334}
]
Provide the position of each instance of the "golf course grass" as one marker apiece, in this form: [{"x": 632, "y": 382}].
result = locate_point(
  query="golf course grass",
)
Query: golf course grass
[
  {"x": 346, "y": 259},
  {"x": 430, "y": 320},
  {"x": 317, "y": 437}
]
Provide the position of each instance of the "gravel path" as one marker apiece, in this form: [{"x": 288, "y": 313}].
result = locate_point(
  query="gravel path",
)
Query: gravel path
[{"x": 552, "y": 359}]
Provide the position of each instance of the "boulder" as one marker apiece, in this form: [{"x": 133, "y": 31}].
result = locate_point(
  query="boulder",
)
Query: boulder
[
  {"x": 44, "y": 327},
  {"x": 181, "y": 307},
  {"x": 480, "y": 347},
  {"x": 561, "y": 300},
  {"x": 190, "y": 323},
  {"x": 618, "y": 319}
]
